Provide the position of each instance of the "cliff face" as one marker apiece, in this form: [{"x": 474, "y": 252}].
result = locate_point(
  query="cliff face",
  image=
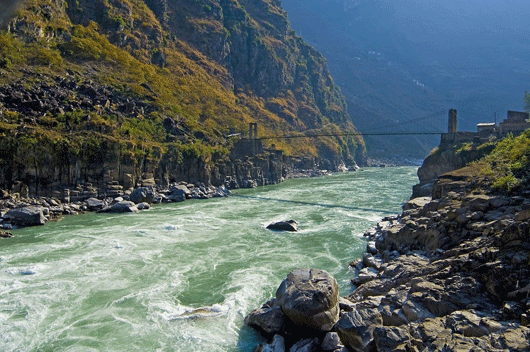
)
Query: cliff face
[
  {"x": 124, "y": 90},
  {"x": 252, "y": 40},
  {"x": 444, "y": 160}
]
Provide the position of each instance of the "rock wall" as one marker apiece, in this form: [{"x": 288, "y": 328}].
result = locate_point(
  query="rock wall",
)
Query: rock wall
[
  {"x": 43, "y": 171},
  {"x": 443, "y": 160}
]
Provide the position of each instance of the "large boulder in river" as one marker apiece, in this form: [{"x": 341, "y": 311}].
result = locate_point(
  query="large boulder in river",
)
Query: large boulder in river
[
  {"x": 182, "y": 189},
  {"x": 143, "y": 194},
  {"x": 27, "y": 216},
  {"x": 289, "y": 225},
  {"x": 310, "y": 298},
  {"x": 178, "y": 195},
  {"x": 124, "y": 207}
]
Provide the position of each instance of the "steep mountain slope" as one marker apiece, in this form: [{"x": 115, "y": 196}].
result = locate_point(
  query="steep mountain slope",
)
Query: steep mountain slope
[
  {"x": 154, "y": 87},
  {"x": 397, "y": 60}
]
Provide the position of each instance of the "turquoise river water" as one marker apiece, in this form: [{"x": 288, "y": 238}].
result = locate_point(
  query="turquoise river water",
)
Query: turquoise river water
[{"x": 182, "y": 276}]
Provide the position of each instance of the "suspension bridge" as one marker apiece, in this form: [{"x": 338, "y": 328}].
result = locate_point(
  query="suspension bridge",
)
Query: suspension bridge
[{"x": 431, "y": 124}]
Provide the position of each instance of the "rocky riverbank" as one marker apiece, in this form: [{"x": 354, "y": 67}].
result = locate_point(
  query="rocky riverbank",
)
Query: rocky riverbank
[
  {"x": 450, "y": 273},
  {"x": 16, "y": 211}
]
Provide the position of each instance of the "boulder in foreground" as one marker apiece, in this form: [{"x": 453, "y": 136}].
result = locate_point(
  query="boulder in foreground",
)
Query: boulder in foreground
[{"x": 310, "y": 298}]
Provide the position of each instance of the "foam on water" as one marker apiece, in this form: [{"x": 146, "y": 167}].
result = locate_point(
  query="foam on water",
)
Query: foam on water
[{"x": 182, "y": 276}]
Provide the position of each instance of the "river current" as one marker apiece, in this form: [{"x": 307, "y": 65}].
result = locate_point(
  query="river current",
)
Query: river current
[{"x": 182, "y": 276}]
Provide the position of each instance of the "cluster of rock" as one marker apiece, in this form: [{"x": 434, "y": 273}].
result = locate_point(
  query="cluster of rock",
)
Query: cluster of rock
[
  {"x": 302, "y": 316},
  {"x": 20, "y": 212},
  {"x": 392, "y": 161},
  {"x": 451, "y": 273},
  {"x": 318, "y": 170},
  {"x": 304, "y": 173},
  {"x": 64, "y": 95}
]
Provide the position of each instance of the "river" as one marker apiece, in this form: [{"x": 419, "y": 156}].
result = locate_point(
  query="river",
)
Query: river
[{"x": 182, "y": 276}]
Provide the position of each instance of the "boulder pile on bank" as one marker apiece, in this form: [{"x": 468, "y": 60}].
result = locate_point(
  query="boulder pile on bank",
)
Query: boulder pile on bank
[
  {"x": 451, "y": 273},
  {"x": 16, "y": 211}
]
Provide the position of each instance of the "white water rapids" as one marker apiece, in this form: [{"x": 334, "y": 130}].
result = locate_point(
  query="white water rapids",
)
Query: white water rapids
[{"x": 181, "y": 277}]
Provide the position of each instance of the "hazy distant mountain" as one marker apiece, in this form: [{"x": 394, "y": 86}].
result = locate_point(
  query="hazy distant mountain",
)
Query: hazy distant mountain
[{"x": 401, "y": 59}]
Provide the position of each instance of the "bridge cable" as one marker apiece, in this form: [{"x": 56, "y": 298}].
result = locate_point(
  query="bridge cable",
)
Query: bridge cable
[{"x": 366, "y": 132}]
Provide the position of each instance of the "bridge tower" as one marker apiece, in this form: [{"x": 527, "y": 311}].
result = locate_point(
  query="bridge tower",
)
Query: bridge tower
[
  {"x": 252, "y": 130},
  {"x": 453, "y": 121},
  {"x": 256, "y": 145}
]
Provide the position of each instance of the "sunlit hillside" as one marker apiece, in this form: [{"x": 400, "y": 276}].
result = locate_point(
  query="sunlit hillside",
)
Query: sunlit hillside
[{"x": 144, "y": 81}]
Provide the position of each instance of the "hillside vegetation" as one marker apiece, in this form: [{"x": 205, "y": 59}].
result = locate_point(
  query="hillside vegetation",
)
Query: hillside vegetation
[
  {"x": 507, "y": 167},
  {"x": 157, "y": 84}
]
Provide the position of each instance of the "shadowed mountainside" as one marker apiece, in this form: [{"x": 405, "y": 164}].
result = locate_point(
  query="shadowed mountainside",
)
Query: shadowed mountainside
[{"x": 398, "y": 60}]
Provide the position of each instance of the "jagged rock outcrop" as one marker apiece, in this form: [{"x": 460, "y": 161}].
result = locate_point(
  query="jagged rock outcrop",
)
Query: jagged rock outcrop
[
  {"x": 356, "y": 328},
  {"x": 445, "y": 159},
  {"x": 454, "y": 271}
]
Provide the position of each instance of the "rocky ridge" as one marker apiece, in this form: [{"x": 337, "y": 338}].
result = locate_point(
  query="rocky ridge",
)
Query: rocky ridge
[
  {"x": 450, "y": 273},
  {"x": 101, "y": 92},
  {"x": 66, "y": 94}
]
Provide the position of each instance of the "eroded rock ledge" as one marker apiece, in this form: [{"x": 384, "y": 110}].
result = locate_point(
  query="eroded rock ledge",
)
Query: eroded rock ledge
[{"x": 449, "y": 274}]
